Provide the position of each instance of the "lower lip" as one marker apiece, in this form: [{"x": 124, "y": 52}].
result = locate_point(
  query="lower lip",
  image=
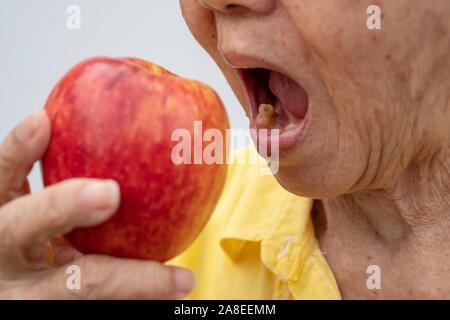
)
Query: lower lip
[{"x": 286, "y": 139}]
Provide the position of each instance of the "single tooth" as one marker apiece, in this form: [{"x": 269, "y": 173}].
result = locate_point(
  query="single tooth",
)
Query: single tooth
[
  {"x": 266, "y": 108},
  {"x": 265, "y": 116},
  {"x": 291, "y": 126},
  {"x": 265, "y": 120}
]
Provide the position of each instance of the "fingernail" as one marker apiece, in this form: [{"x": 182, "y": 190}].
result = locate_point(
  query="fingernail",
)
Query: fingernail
[
  {"x": 101, "y": 195},
  {"x": 185, "y": 281},
  {"x": 28, "y": 128}
]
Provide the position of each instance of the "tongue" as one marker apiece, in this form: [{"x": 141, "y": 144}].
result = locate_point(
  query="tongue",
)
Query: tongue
[{"x": 293, "y": 97}]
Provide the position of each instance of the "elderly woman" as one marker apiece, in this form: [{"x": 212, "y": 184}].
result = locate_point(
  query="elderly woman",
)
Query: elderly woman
[{"x": 364, "y": 131}]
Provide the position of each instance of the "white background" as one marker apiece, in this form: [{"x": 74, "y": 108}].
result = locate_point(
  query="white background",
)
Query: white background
[{"x": 37, "y": 49}]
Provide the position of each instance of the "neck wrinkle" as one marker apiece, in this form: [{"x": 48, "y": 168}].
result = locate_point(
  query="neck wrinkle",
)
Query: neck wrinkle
[{"x": 416, "y": 209}]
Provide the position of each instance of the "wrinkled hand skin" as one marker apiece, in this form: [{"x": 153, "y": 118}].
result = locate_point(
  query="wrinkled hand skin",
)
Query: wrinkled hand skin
[
  {"x": 376, "y": 147},
  {"x": 33, "y": 255}
]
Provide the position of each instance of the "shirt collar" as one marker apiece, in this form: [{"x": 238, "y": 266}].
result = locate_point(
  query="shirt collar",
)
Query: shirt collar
[{"x": 279, "y": 220}]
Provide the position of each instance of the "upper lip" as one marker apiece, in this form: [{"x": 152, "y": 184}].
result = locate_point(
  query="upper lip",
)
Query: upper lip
[{"x": 240, "y": 61}]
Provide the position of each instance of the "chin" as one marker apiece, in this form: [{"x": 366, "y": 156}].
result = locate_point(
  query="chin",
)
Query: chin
[{"x": 311, "y": 182}]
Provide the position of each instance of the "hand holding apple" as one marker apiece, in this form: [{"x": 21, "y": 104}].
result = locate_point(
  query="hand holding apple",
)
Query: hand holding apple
[
  {"x": 113, "y": 119},
  {"x": 34, "y": 259}
]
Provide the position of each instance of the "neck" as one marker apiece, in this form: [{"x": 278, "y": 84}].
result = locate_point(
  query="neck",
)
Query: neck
[
  {"x": 416, "y": 207},
  {"x": 403, "y": 228}
]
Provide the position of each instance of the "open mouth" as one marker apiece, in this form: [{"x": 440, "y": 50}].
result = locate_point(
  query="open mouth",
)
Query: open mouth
[{"x": 276, "y": 102}]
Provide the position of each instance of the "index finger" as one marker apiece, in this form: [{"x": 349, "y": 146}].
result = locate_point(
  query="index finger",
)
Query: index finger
[{"x": 24, "y": 145}]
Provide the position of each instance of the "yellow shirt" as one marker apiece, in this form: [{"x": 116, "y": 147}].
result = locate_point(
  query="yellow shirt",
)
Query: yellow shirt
[{"x": 259, "y": 243}]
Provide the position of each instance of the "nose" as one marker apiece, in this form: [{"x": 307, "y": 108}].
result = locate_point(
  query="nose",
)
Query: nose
[{"x": 229, "y": 6}]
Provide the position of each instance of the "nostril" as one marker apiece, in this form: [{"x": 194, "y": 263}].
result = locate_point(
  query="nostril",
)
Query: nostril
[
  {"x": 235, "y": 8},
  {"x": 219, "y": 5},
  {"x": 231, "y": 6},
  {"x": 239, "y": 6}
]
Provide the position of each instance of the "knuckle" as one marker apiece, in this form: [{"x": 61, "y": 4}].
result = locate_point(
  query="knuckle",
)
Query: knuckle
[
  {"x": 5, "y": 160},
  {"x": 76, "y": 294},
  {"x": 52, "y": 208},
  {"x": 7, "y": 236},
  {"x": 93, "y": 277},
  {"x": 8, "y": 152},
  {"x": 162, "y": 282},
  {"x": 6, "y": 156},
  {"x": 8, "y": 166}
]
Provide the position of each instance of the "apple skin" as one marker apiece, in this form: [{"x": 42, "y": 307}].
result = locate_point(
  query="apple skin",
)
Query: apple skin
[{"x": 113, "y": 119}]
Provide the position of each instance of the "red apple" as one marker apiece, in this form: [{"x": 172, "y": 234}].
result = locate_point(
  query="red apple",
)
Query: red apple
[{"x": 114, "y": 119}]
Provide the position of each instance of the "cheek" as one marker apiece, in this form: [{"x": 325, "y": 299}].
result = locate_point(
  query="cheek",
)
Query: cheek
[
  {"x": 331, "y": 27},
  {"x": 200, "y": 22},
  {"x": 344, "y": 50}
]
